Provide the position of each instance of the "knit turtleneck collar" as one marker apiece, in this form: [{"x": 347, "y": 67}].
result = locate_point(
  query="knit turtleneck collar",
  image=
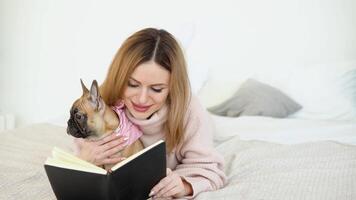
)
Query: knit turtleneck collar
[{"x": 154, "y": 123}]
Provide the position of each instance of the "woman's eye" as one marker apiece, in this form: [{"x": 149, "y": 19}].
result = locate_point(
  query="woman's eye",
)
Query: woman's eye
[
  {"x": 132, "y": 85},
  {"x": 157, "y": 90}
]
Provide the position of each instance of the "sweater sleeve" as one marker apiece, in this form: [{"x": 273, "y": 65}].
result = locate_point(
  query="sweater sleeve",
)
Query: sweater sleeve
[{"x": 200, "y": 164}]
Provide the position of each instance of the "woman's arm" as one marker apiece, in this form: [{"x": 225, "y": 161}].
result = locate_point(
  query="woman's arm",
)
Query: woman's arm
[{"x": 201, "y": 166}]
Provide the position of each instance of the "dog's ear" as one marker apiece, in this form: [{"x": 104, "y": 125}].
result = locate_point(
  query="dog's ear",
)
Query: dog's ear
[
  {"x": 95, "y": 97},
  {"x": 85, "y": 89}
]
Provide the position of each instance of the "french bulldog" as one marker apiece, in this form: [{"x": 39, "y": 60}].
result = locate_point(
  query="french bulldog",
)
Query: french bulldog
[{"x": 92, "y": 119}]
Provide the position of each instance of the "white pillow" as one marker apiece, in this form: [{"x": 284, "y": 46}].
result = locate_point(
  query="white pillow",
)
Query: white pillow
[
  {"x": 215, "y": 91},
  {"x": 325, "y": 91}
]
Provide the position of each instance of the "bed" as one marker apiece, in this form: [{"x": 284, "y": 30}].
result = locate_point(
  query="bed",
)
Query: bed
[
  {"x": 297, "y": 142},
  {"x": 256, "y": 169}
]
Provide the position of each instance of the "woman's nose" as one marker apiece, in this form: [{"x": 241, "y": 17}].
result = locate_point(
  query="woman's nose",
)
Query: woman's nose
[{"x": 143, "y": 96}]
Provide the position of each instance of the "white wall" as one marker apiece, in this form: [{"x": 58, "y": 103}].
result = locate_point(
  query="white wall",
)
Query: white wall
[{"x": 46, "y": 46}]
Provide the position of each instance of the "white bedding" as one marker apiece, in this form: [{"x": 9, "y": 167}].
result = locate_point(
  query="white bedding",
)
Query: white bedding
[
  {"x": 268, "y": 171},
  {"x": 255, "y": 169},
  {"x": 286, "y": 130}
]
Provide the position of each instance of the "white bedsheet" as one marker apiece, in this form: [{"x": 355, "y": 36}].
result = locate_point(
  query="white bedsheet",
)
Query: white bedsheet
[
  {"x": 286, "y": 130},
  {"x": 255, "y": 169}
]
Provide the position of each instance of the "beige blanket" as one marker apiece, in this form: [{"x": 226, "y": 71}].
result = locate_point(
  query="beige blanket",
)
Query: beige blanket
[{"x": 255, "y": 170}]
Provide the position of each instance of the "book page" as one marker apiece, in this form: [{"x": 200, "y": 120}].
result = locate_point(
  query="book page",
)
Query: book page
[
  {"x": 66, "y": 165},
  {"x": 63, "y": 159}
]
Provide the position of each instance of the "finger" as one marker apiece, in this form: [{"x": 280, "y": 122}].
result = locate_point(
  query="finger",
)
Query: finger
[
  {"x": 115, "y": 156},
  {"x": 168, "y": 171},
  {"x": 105, "y": 139},
  {"x": 108, "y": 138},
  {"x": 164, "y": 192},
  {"x": 162, "y": 198},
  {"x": 112, "y": 151},
  {"x": 173, "y": 191},
  {"x": 113, "y": 143},
  {"x": 115, "y": 160},
  {"x": 157, "y": 188},
  {"x": 101, "y": 152}
]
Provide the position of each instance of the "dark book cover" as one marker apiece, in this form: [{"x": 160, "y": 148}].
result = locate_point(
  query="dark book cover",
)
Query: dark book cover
[{"x": 133, "y": 180}]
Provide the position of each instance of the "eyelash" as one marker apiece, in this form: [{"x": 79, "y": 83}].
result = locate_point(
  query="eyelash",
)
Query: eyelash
[
  {"x": 135, "y": 86},
  {"x": 157, "y": 90},
  {"x": 132, "y": 85}
]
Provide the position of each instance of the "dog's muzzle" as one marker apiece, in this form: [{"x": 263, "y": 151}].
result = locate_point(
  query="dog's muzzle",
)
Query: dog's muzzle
[{"x": 77, "y": 124}]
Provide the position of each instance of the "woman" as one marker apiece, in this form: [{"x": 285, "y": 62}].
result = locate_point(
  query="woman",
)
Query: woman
[{"x": 149, "y": 75}]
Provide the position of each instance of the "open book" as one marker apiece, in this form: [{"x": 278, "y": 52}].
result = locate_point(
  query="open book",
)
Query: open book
[{"x": 132, "y": 178}]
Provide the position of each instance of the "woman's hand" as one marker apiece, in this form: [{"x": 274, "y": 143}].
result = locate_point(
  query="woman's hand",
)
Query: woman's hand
[
  {"x": 171, "y": 186},
  {"x": 103, "y": 151}
]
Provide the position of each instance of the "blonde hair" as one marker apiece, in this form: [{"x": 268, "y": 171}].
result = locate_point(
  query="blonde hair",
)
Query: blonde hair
[{"x": 162, "y": 48}]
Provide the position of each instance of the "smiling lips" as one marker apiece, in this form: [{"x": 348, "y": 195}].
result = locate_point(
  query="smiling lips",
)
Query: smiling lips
[{"x": 140, "y": 108}]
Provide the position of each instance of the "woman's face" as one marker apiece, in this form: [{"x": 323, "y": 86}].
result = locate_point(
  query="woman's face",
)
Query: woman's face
[{"x": 147, "y": 89}]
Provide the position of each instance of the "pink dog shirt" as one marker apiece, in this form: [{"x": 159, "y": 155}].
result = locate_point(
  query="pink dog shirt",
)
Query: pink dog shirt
[{"x": 126, "y": 127}]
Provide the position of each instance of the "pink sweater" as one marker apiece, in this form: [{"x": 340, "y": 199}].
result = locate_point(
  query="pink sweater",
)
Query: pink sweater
[
  {"x": 195, "y": 159},
  {"x": 126, "y": 127}
]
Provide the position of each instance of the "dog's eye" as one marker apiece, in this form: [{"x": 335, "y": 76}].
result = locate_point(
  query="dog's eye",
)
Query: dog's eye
[
  {"x": 75, "y": 110},
  {"x": 78, "y": 116}
]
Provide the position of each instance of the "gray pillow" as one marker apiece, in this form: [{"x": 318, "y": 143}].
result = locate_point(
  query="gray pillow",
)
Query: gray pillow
[{"x": 255, "y": 98}]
